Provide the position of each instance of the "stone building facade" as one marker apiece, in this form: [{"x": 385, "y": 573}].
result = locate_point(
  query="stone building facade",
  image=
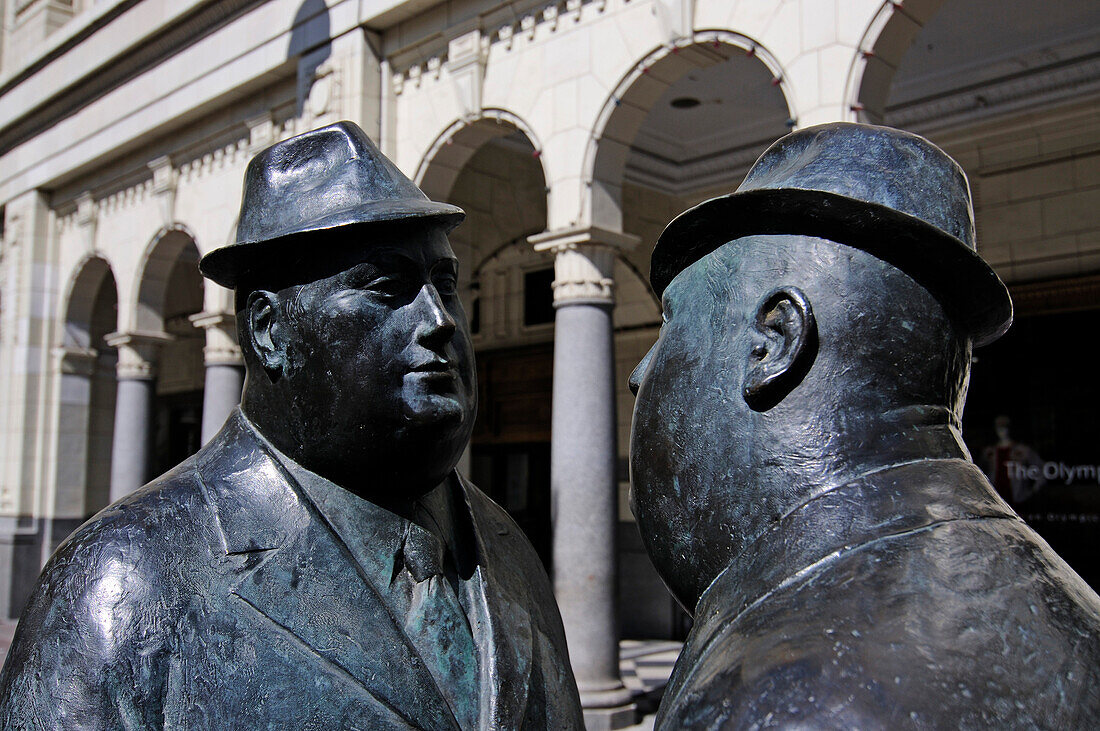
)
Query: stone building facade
[{"x": 571, "y": 131}]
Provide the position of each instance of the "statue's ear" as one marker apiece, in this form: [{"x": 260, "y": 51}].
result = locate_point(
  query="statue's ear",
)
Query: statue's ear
[
  {"x": 784, "y": 345},
  {"x": 266, "y": 333}
]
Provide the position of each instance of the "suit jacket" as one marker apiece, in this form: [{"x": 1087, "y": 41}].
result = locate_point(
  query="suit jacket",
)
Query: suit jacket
[
  {"x": 910, "y": 598},
  {"x": 217, "y": 597}
]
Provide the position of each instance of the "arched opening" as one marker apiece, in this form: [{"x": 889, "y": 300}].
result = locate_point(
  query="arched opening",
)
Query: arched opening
[
  {"x": 171, "y": 291},
  {"x": 492, "y": 169},
  {"x": 87, "y": 398},
  {"x": 687, "y": 121},
  {"x": 684, "y": 126},
  {"x": 1013, "y": 93}
]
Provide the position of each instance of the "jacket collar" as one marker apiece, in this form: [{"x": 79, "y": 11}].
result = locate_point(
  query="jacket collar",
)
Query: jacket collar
[{"x": 305, "y": 568}]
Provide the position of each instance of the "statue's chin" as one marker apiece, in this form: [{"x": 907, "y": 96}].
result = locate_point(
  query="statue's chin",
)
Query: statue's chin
[{"x": 434, "y": 411}]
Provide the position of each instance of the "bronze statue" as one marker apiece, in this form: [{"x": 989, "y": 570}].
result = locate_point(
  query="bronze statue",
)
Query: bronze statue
[
  {"x": 799, "y": 475},
  {"x": 319, "y": 564}
]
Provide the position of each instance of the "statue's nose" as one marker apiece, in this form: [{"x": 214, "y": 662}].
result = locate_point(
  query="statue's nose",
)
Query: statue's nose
[
  {"x": 435, "y": 325},
  {"x": 635, "y": 380}
]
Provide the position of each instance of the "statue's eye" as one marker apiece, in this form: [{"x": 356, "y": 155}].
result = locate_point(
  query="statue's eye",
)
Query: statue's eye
[{"x": 446, "y": 284}]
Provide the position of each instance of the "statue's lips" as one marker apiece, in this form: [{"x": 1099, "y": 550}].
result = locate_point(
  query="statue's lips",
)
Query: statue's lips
[{"x": 434, "y": 368}]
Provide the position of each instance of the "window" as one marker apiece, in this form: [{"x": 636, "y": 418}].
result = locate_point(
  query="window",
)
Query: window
[{"x": 538, "y": 297}]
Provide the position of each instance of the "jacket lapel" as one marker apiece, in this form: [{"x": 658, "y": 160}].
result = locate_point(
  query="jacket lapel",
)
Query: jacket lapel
[
  {"x": 306, "y": 582},
  {"x": 505, "y": 638}
]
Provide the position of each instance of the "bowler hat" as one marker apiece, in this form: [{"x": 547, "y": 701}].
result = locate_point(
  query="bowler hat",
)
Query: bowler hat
[
  {"x": 890, "y": 193},
  {"x": 320, "y": 180}
]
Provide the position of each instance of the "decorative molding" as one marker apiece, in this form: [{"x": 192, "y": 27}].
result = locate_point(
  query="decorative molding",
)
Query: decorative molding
[
  {"x": 1063, "y": 295},
  {"x": 426, "y": 57},
  {"x": 87, "y": 218},
  {"x": 164, "y": 187},
  {"x": 468, "y": 56},
  {"x": 261, "y": 132},
  {"x": 126, "y": 198}
]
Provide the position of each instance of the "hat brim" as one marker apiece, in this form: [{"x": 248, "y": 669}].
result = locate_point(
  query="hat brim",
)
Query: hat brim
[
  {"x": 228, "y": 264},
  {"x": 962, "y": 281}
]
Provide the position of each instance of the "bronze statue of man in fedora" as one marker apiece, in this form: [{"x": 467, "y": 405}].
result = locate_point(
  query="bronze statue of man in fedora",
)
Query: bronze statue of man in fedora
[
  {"x": 799, "y": 475},
  {"x": 320, "y": 563}
]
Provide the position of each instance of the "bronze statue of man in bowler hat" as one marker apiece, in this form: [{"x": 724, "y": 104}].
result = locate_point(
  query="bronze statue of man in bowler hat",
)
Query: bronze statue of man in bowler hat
[
  {"x": 320, "y": 563},
  {"x": 799, "y": 475}
]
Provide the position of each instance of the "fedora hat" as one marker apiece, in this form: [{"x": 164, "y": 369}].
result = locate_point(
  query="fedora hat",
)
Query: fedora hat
[
  {"x": 890, "y": 193},
  {"x": 320, "y": 180}
]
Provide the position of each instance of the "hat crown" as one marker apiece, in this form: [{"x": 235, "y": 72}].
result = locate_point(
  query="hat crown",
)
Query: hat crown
[
  {"x": 318, "y": 181},
  {"x": 877, "y": 165},
  {"x": 294, "y": 184},
  {"x": 889, "y": 193}
]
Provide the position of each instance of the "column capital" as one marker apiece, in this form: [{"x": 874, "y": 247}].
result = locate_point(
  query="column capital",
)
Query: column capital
[
  {"x": 73, "y": 360},
  {"x": 137, "y": 352},
  {"x": 571, "y": 238},
  {"x": 221, "y": 338},
  {"x": 584, "y": 263}
]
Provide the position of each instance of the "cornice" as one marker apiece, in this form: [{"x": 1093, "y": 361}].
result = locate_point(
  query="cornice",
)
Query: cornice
[
  {"x": 1049, "y": 85},
  {"x": 66, "y": 100},
  {"x": 503, "y": 27}
]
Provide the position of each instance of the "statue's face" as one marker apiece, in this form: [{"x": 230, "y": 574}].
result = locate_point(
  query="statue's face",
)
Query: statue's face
[
  {"x": 690, "y": 421},
  {"x": 380, "y": 362}
]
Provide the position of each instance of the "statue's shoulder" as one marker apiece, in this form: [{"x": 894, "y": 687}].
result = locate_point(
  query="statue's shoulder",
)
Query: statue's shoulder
[
  {"x": 101, "y": 612},
  {"x": 120, "y": 555}
]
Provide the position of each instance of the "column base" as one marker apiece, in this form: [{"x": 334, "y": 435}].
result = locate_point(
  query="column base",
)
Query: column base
[
  {"x": 609, "y": 719},
  {"x": 603, "y": 694}
]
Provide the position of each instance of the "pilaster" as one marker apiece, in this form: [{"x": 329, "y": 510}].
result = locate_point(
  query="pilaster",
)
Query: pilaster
[{"x": 27, "y": 264}]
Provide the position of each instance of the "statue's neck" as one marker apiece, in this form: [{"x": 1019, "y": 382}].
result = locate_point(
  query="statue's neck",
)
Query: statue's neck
[
  {"x": 809, "y": 464},
  {"x": 879, "y": 504},
  {"x": 852, "y": 445}
]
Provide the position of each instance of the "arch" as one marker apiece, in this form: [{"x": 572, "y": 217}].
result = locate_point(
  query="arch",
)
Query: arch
[
  {"x": 79, "y": 327},
  {"x": 86, "y": 402},
  {"x": 633, "y": 98},
  {"x": 453, "y": 148},
  {"x": 881, "y": 49},
  {"x": 171, "y": 245},
  {"x": 492, "y": 166}
]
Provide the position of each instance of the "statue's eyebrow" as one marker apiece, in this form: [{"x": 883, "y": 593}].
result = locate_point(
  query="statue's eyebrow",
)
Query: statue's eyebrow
[{"x": 451, "y": 262}]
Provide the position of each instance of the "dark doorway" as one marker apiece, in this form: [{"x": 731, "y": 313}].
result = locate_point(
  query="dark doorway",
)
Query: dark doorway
[
  {"x": 517, "y": 477},
  {"x": 178, "y": 430},
  {"x": 1039, "y": 384},
  {"x": 510, "y": 453}
]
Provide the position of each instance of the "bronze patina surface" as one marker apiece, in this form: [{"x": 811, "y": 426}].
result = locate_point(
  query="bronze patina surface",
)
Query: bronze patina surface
[
  {"x": 798, "y": 471},
  {"x": 320, "y": 563}
]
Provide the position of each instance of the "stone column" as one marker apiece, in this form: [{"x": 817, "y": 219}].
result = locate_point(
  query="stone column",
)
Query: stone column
[
  {"x": 224, "y": 370},
  {"x": 583, "y": 456},
  {"x": 131, "y": 453}
]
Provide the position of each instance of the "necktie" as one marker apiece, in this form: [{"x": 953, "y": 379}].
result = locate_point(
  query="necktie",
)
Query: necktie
[{"x": 438, "y": 627}]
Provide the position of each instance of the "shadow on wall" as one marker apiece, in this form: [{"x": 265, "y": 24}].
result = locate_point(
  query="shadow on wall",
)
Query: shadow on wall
[{"x": 309, "y": 44}]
